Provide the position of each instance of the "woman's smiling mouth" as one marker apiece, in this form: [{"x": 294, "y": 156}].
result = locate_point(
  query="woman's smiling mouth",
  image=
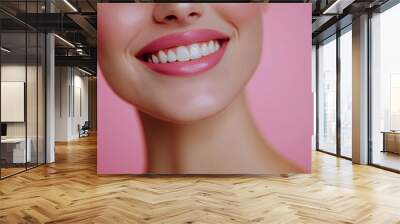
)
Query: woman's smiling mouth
[{"x": 185, "y": 53}]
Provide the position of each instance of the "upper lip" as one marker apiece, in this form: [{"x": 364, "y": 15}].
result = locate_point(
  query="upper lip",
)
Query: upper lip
[{"x": 181, "y": 39}]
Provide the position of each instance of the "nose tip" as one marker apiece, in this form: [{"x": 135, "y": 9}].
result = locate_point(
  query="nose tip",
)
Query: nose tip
[{"x": 178, "y": 13}]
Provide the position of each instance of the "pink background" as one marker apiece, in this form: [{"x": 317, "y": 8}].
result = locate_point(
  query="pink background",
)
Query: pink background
[{"x": 279, "y": 96}]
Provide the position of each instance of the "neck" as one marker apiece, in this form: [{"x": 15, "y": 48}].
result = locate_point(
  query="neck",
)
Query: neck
[{"x": 223, "y": 143}]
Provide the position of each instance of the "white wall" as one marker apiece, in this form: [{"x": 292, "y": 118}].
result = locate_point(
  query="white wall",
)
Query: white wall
[
  {"x": 14, "y": 73},
  {"x": 17, "y": 73},
  {"x": 81, "y": 102},
  {"x": 71, "y": 93},
  {"x": 61, "y": 103}
]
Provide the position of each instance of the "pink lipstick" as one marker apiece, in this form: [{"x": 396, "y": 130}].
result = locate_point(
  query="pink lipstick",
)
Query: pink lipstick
[{"x": 184, "y": 53}]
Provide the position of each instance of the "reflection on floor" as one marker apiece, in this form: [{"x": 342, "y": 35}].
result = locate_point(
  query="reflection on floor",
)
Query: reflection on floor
[
  {"x": 346, "y": 152},
  {"x": 387, "y": 159},
  {"x": 70, "y": 191},
  {"x": 10, "y": 169}
]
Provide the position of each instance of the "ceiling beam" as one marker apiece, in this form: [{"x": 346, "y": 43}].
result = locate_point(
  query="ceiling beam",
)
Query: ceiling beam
[
  {"x": 84, "y": 24},
  {"x": 338, "y": 6},
  {"x": 85, "y": 61}
]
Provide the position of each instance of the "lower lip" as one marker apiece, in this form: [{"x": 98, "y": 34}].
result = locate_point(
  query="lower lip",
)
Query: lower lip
[{"x": 189, "y": 68}]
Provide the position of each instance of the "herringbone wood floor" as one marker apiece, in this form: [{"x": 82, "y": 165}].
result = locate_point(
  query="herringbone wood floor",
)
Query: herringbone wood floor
[{"x": 70, "y": 191}]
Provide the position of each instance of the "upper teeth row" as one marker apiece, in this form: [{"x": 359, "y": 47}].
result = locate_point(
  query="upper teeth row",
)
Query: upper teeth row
[{"x": 185, "y": 53}]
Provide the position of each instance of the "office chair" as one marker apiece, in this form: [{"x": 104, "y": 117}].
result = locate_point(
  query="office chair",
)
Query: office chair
[{"x": 84, "y": 130}]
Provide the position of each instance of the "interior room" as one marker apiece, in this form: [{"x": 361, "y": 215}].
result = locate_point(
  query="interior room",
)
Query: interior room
[
  {"x": 22, "y": 100},
  {"x": 53, "y": 103}
]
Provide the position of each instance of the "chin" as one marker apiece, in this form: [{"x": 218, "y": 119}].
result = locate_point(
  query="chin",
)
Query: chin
[{"x": 187, "y": 114}]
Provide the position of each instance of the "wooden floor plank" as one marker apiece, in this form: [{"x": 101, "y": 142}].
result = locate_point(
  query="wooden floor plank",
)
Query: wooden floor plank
[{"x": 70, "y": 191}]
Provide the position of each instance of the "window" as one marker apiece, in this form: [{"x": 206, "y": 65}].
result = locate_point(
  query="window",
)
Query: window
[
  {"x": 346, "y": 93},
  {"x": 327, "y": 96},
  {"x": 385, "y": 89}
]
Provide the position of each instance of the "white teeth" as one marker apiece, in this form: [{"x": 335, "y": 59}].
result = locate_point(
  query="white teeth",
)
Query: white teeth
[
  {"x": 211, "y": 47},
  {"x": 162, "y": 56},
  {"x": 171, "y": 56},
  {"x": 154, "y": 58},
  {"x": 195, "y": 51},
  {"x": 204, "y": 49},
  {"x": 182, "y": 54},
  {"x": 216, "y": 46},
  {"x": 185, "y": 53}
]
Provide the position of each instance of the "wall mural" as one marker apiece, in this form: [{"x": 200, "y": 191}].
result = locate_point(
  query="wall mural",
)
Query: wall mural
[{"x": 197, "y": 88}]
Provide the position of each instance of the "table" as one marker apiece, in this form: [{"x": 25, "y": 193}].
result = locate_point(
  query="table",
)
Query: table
[
  {"x": 15, "y": 148},
  {"x": 391, "y": 141}
]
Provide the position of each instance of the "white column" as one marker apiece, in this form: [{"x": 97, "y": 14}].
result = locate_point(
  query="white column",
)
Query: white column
[
  {"x": 360, "y": 90},
  {"x": 50, "y": 98}
]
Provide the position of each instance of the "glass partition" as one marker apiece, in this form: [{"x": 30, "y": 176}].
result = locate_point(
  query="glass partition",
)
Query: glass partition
[
  {"x": 385, "y": 89},
  {"x": 22, "y": 89},
  {"x": 327, "y": 95},
  {"x": 31, "y": 100},
  {"x": 14, "y": 153},
  {"x": 346, "y": 93},
  {"x": 41, "y": 96}
]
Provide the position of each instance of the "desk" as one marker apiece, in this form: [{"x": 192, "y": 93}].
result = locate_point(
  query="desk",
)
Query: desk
[
  {"x": 391, "y": 141},
  {"x": 15, "y": 148}
]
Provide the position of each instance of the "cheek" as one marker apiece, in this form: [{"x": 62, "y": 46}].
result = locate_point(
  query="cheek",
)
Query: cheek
[
  {"x": 247, "y": 20},
  {"x": 118, "y": 26},
  {"x": 119, "y": 23},
  {"x": 237, "y": 13}
]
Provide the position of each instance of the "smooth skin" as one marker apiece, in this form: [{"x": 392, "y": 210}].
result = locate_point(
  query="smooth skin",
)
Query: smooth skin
[{"x": 198, "y": 124}]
